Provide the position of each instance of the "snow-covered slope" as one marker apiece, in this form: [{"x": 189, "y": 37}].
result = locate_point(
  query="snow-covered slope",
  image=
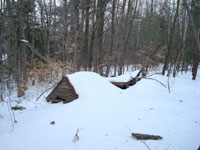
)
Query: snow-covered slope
[
  {"x": 123, "y": 78},
  {"x": 104, "y": 114}
]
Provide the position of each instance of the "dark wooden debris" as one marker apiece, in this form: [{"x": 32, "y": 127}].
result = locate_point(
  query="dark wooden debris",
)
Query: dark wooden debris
[
  {"x": 125, "y": 85},
  {"x": 139, "y": 136},
  {"x": 198, "y": 148},
  {"x": 52, "y": 122},
  {"x": 18, "y": 108},
  {"x": 143, "y": 71},
  {"x": 63, "y": 92}
]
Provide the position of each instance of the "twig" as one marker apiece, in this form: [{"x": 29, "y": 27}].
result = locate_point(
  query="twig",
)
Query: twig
[
  {"x": 167, "y": 147},
  {"x": 128, "y": 129},
  {"x": 141, "y": 140},
  {"x": 12, "y": 114},
  {"x": 157, "y": 81},
  {"x": 76, "y": 137},
  {"x": 159, "y": 73},
  {"x": 168, "y": 85},
  {"x": 160, "y": 46},
  {"x": 146, "y": 145},
  {"x": 45, "y": 91}
]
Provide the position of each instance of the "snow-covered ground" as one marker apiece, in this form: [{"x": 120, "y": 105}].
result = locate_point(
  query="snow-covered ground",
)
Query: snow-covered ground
[{"x": 105, "y": 116}]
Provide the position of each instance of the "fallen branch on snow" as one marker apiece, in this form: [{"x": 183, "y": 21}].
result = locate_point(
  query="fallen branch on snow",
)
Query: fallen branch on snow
[
  {"x": 76, "y": 137},
  {"x": 157, "y": 81},
  {"x": 140, "y": 136},
  {"x": 133, "y": 81},
  {"x": 146, "y": 145},
  {"x": 45, "y": 92}
]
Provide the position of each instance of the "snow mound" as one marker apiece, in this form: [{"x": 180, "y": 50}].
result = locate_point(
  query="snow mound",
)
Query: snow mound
[
  {"x": 123, "y": 78},
  {"x": 91, "y": 85}
]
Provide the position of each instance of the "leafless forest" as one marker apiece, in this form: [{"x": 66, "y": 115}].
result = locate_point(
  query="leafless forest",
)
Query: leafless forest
[{"x": 41, "y": 40}]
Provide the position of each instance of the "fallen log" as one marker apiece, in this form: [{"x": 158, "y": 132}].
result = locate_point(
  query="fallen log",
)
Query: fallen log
[
  {"x": 121, "y": 85},
  {"x": 125, "y": 85},
  {"x": 133, "y": 81},
  {"x": 142, "y": 73},
  {"x": 139, "y": 136}
]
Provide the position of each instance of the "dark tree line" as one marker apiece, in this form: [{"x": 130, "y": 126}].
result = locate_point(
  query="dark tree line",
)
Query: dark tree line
[{"x": 97, "y": 35}]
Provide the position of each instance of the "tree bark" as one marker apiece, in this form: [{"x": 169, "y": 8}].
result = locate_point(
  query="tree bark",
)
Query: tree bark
[
  {"x": 195, "y": 66},
  {"x": 86, "y": 40},
  {"x": 76, "y": 12},
  {"x": 91, "y": 61},
  {"x": 195, "y": 32},
  {"x": 99, "y": 36},
  {"x": 182, "y": 49},
  {"x": 119, "y": 48},
  {"x": 112, "y": 38},
  {"x": 169, "y": 45},
  {"x": 128, "y": 33}
]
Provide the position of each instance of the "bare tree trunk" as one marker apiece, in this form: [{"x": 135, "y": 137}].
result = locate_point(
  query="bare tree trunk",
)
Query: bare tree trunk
[
  {"x": 127, "y": 35},
  {"x": 182, "y": 49},
  {"x": 152, "y": 3},
  {"x": 75, "y": 3},
  {"x": 99, "y": 33},
  {"x": 169, "y": 45},
  {"x": 1, "y": 28},
  {"x": 85, "y": 49},
  {"x": 48, "y": 27},
  {"x": 195, "y": 66},
  {"x": 80, "y": 59},
  {"x": 195, "y": 33},
  {"x": 112, "y": 38},
  {"x": 92, "y": 39},
  {"x": 64, "y": 36},
  {"x": 119, "y": 40}
]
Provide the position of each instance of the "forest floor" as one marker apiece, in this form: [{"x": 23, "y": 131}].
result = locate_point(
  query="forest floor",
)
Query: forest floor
[{"x": 103, "y": 116}]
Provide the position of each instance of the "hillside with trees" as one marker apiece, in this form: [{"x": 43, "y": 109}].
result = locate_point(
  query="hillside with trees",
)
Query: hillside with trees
[
  {"x": 43, "y": 38},
  {"x": 99, "y": 74}
]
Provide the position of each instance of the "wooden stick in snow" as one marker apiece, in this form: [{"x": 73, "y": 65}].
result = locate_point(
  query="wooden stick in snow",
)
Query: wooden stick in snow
[{"x": 139, "y": 136}]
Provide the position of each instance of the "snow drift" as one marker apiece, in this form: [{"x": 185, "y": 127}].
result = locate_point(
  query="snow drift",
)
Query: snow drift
[{"x": 103, "y": 113}]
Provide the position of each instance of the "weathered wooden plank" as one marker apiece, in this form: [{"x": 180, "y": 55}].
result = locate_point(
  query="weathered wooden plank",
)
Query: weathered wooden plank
[
  {"x": 63, "y": 92},
  {"x": 140, "y": 136}
]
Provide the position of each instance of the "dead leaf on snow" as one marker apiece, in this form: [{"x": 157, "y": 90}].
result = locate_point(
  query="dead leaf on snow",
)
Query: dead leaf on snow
[{"x": 52, "y": 122}]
